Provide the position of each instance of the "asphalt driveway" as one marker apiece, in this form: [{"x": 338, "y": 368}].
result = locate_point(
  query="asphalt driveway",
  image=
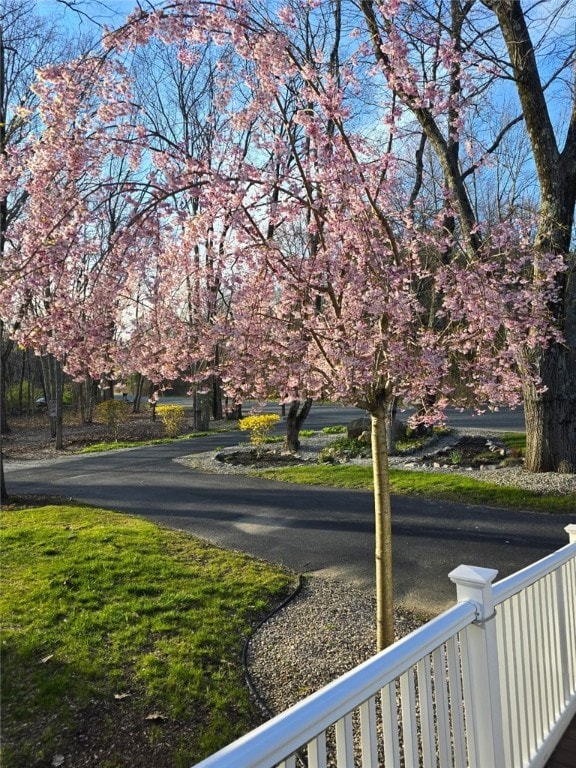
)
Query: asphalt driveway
[{"x": 312, "y": 530}]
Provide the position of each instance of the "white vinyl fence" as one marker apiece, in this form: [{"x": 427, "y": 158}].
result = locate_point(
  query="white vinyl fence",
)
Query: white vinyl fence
[{"x": 490, "y": 683}]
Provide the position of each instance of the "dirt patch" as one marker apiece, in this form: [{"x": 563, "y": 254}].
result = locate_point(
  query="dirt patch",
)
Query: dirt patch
[{"x": 29, "y": 436}]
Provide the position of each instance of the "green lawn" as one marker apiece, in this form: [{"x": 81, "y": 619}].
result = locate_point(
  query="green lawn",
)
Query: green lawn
[
  {"x": 112, "y": 620},
  {"x": 116, "y": 444},
  {"x": 432, "y": 485}
]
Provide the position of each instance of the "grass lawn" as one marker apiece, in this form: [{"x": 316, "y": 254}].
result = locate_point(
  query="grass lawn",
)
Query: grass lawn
[
  {"x": 111, "y": 446},
  {"x": 432, "y": 485},
  {"x": 121, "y": 640}
]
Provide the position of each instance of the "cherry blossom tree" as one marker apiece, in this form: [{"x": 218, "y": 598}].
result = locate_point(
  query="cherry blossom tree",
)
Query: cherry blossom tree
[
  {"x": 27, "y": 42},
  {"x": 304, "y": 254}
]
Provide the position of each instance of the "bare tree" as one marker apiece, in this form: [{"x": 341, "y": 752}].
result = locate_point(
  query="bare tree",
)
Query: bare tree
[{"x": 550, "y": 411}]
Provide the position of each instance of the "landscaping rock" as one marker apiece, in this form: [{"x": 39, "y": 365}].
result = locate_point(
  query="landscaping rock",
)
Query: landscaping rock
[{"x": 358, "y": 426}]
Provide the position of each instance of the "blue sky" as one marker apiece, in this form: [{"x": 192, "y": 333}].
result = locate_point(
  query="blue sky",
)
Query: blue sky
[{"x": 87, "y": 15}]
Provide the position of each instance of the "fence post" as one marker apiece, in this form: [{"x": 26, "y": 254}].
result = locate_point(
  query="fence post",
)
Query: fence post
[
  {"x": 481, "y": 680},
  {"x": 571, "y": 531}
]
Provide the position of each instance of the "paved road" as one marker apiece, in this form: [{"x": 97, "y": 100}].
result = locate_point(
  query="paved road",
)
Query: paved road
[
  {"x": 309, "y": 529},
  {"x": 320, "y": 416}
]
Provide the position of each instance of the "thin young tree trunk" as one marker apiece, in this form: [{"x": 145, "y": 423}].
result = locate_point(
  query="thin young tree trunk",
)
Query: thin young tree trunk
[
  {"x": 3, "y": 490},
  {"x": 7, "y": 347},
  {"x": 54, "y": 388},
  {"x": 391, "y": 412},
  {"x": 383, "y": 530}
]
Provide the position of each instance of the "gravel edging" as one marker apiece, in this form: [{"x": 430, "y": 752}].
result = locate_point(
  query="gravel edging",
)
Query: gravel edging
[
  {"x": 287, "y": 662},
  {"x": 515, "y": 476}
]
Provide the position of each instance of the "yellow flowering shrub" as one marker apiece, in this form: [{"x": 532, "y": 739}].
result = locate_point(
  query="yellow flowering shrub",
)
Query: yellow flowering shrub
[
  {"x": 173, "y": 418},
  {"x": 259, "y": 427},
  {"x": 113, "y": 413}
]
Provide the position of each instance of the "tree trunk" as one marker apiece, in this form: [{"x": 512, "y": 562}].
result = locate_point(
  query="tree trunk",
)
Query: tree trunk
[
  {"x": 87, "y": 399},
  {"x": 391, "y": 412},
  {"x": 383, "y": 531},
  {"x": 5, "y": 428},
  {"x": 138, "y": 393},
  {"x": 7, "y": 347},
  {"x": 22, "y": 380},
  {"x": 233, "y": 414},
  {"x": 201, "y": 406},
  {"x": 3, "y": 490},
  {"x": 295, "y": 419},
  {"x": 551, "y": 415},
  {"x": 54, "y": 388},
  {"x": 91, "y": 388},
  {"x": 217, "y": 409}
]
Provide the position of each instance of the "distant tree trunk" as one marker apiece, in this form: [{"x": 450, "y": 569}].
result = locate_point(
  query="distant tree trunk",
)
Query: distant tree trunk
[
  {"x": 153, "y": 396},
  {"x": 217, "y": 392},
  {"x": 54, "y": 388},
  {"x": 3, "y": 490},
  {"x": 233, "y": 414},
  {"x": 383, "y": 527},
  {"x": 6, "y": 346},
  {"x": 201, "y": 407},
  {"x": 217, "y": 409},
  {"x": 5, "y": 429},
  {"x": 21, "y": 381},
  {"x": 108, "y": 390},
  {"x": 138, "y": 393},
  {"x": 87, "y": 399},
  {"x": 296, "y": 417}
]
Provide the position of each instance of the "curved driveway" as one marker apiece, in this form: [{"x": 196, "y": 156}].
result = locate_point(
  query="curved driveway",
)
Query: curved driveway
[{"x": 309, "y": 529}]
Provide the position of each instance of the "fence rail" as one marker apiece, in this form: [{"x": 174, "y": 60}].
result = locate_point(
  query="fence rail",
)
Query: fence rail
[{"x": 489, "y": 682}]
